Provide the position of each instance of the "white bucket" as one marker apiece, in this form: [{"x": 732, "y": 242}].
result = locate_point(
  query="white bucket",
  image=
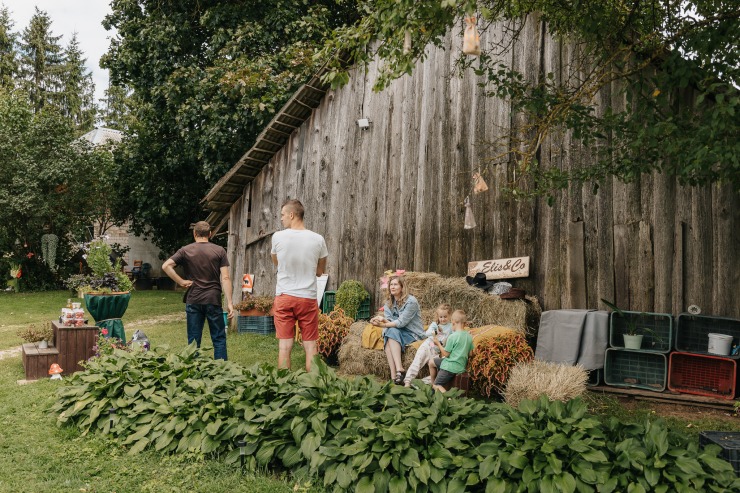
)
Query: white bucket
[{"x": 720, "y": 344}]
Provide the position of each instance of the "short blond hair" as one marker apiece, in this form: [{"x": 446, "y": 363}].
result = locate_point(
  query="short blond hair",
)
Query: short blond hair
[{"x": 461, "y": 316}]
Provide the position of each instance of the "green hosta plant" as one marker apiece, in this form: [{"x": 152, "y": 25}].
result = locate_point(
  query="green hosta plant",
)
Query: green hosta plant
[{"x": 360, "y": 435}]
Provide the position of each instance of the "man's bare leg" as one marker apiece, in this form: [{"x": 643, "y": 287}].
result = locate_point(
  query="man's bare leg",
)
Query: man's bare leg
[
  {"x": 285, "y": 346},
  {"x": 310, "y": 348}
]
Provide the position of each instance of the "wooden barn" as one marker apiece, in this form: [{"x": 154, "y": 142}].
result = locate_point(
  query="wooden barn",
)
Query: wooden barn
[{"x": 392, "y": 196}]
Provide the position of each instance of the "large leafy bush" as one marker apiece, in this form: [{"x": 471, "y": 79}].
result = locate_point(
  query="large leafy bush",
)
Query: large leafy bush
[{"x": 369, "y": 437}]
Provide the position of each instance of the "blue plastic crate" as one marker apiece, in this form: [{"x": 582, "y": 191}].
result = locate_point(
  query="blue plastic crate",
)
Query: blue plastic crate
[
  {"x": 658, "y": 338},
  {"x": 730, "y": 443},
  {"x": 692, "y": 332},
  {"x": 256, "y": 325},
  {"x": 329, "y": 300},
  {"x": 639, "y": 369},
  {"x": 595, "y": 377}
]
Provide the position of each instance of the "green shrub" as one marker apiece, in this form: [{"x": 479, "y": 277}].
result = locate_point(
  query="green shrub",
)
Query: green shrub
[
  {"x": 369, "y": 437},
  {"x": 350, "y": 296}
]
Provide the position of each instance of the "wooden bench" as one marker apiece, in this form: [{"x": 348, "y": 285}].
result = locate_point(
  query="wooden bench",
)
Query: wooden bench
[{"x": 36, "y": 362}]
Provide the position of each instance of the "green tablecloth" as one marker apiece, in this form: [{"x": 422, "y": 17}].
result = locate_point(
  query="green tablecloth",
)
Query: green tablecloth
[{"x": 107, "y": 310}]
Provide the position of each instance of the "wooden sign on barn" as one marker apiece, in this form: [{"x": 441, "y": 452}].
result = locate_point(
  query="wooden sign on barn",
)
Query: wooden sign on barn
[{"x": 504, "y": 268}]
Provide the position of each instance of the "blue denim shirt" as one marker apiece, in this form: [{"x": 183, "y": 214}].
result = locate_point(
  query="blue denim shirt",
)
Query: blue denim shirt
[{"x": 408, "y": 317}]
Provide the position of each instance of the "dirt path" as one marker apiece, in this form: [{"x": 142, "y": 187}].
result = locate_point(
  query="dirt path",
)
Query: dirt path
[
  {"x": 9, "y": 353},
  {"x": 172, "y": 317}
]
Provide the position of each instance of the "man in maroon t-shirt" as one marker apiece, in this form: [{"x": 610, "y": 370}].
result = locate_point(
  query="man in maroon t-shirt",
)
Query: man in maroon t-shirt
[{"x": 207, "y": 270}]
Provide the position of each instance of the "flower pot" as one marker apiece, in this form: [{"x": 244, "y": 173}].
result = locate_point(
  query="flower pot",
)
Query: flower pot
[
  {"x": 107, "y": 310},
  {"x": 632, "y": 341},
  {"x": 253, "y": 312},
  {"x": 43, "y": 344}
]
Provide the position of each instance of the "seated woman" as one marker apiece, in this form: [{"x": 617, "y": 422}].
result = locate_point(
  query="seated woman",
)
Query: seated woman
[{"x": 403, "y": 325}]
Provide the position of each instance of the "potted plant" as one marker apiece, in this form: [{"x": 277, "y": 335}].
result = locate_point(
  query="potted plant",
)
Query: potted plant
[
  {"x": 632, "y": 332},
  {"x": 107, "y": 290},
  {"x": 255, "y": 306},
  {"x": 350, "y": 296},
  {"x": 78, "y": 283},
  {"x": 41, "y": 336}
]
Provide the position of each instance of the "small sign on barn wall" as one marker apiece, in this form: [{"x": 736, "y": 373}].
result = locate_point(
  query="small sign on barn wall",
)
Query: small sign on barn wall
[{"x": 504, "y": 268}]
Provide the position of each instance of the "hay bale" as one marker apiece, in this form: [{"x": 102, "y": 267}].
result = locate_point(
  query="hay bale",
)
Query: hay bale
[
  {"x": 357, "y": 360},
  {"x": 528, "y": 381},
  {"x": 482, "y": 308}
]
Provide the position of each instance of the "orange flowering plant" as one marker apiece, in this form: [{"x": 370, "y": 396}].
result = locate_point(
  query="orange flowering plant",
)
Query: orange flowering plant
[
  {"x": 333, "y": 328},
  {"x": 492, "y": 360}
]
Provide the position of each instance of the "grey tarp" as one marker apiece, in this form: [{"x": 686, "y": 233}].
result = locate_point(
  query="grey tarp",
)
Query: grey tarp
[{"x": 573, "y": 337}]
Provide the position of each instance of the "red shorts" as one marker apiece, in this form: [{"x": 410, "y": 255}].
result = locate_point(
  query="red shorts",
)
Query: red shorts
[{"x": 288, "y": 310}]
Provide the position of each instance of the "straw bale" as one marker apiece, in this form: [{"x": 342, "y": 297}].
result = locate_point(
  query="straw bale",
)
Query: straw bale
[
  {"x": 528, "y": 381},
  {"x": 432, "y": 290},
  {"x": 482, "y": 308},
  {"x": 357, "y": 360}
]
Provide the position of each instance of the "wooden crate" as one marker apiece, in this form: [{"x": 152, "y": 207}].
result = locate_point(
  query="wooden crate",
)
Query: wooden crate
[
  {"x": 36, "y": 362},
  {"x": 75, "y": 344}
]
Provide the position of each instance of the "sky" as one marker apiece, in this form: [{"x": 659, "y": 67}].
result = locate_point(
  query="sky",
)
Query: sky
[{"x": 84, "y": 17}]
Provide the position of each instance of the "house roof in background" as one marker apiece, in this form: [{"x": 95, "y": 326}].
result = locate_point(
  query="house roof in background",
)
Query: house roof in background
[
  {"x": 103, "y": 135},
  {"x": 275, "y": 135}
]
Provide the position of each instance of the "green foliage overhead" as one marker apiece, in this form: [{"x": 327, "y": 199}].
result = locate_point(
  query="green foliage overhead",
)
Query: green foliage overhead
[
  {"x": 206, "y": 77},
  {"x": 654, "y": 54},
  {"x": 369, "y": 437}
]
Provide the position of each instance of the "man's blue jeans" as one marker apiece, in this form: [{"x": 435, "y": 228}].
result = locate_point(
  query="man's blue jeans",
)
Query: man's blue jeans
[{"x": 196, "y": 317}]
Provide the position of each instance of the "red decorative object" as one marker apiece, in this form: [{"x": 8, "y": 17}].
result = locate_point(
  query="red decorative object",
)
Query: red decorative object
[{"x": 55, "y": 369}]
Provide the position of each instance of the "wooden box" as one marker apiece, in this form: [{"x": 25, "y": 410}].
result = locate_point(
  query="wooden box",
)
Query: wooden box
[
  {"x": 36, "y": 362},
  {"x": 75, "y": 344}
]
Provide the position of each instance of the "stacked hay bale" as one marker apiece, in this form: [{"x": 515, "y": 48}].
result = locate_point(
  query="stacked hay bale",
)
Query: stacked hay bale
[
  {"x": 432, "y": 290},
  {"x": 482, "y": 308}
]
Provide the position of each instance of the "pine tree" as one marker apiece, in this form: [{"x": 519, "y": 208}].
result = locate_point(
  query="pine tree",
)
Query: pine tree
[
  {"x": 8, "y": 53},
  {"x": 77, "y": 98},
  {"x": 41, "y": 61},
  {"x": 117, "y": 108}
]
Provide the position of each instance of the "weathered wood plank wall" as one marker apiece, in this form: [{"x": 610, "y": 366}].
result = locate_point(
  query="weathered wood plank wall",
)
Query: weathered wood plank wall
[{"x": 392, "y": 197}]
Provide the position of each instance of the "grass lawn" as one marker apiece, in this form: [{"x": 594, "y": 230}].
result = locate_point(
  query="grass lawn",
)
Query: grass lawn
[{"x": 37, "y": 456}]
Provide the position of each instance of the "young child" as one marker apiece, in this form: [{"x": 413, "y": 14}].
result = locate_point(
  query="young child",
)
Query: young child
[
  {"x": 455, "y": 353},
  {"x": 441, "y": 327}
]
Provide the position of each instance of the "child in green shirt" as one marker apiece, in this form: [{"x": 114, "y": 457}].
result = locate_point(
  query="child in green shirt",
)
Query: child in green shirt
[{"x": 455, "y": 353}]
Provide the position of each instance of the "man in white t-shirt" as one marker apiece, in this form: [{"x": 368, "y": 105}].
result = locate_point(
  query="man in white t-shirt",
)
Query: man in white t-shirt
[{"x": 300, "y": 256}]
